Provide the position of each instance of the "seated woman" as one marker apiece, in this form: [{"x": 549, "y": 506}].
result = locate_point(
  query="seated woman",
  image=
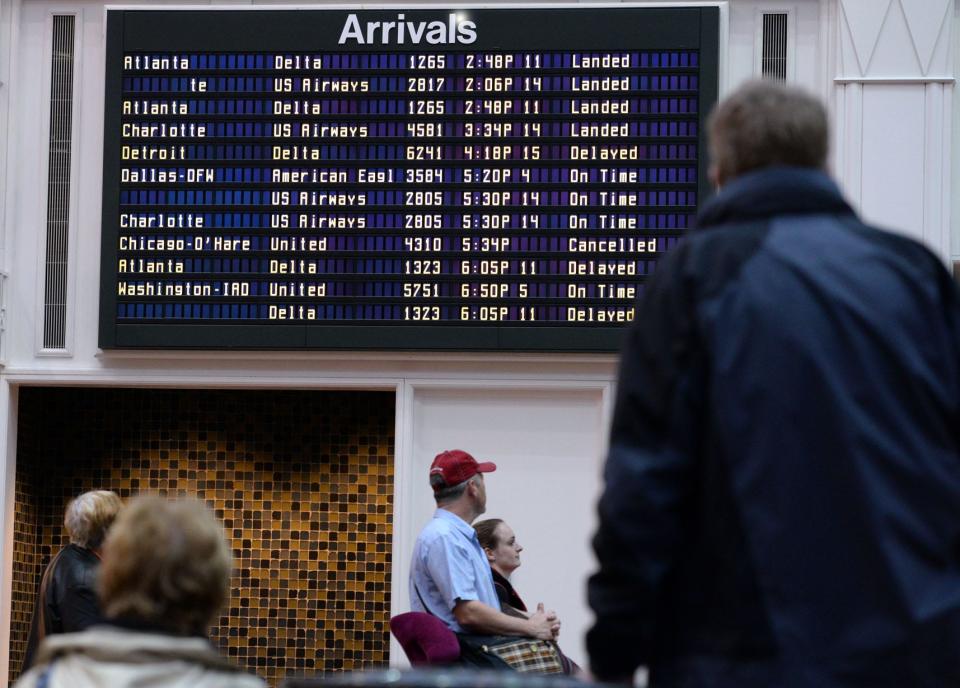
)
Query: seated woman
[
  {"x": 165, "y": 575},
  {"x": 503, "y": 552}
]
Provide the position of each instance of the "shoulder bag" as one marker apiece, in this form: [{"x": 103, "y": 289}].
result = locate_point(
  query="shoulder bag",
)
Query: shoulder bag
[{"x": 526, "y": 655}]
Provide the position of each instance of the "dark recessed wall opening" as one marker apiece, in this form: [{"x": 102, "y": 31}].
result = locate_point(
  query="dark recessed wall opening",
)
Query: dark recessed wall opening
[{"x": 301, "y": 480}]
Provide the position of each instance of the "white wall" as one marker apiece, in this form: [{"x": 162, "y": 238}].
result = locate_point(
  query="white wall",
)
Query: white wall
[
  {"x": 894, "y": 76},
  {"x": 9, "y": 19},
  {"x": 892, "y": 115},
  {"x": 886, "y": 69}
]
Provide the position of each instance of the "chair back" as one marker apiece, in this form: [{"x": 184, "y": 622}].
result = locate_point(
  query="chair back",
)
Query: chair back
[{"x": 425, "y": 639}]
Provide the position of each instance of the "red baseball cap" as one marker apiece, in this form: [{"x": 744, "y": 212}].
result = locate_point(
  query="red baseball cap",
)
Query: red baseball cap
[{"x": 455, "y": 465}]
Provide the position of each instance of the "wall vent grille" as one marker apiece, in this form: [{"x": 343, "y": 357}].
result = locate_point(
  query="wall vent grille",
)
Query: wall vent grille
[
  {"x": 58, "y": 183},
  {"x": 773, "y": 59}
]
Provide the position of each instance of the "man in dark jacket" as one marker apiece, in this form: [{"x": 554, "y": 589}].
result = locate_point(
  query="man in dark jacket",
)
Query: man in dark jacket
[{"x": 782, "y": 502}]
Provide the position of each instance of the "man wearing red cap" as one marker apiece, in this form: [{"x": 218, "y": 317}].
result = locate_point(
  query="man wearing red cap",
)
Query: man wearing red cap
[{"x": 450, "y": 577}]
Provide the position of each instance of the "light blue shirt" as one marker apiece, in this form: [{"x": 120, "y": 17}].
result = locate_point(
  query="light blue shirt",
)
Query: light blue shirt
[{"x": 449, "y": 565}]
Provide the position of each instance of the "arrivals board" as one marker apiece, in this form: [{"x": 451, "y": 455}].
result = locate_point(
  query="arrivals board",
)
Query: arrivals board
[{"x": 449, "y": 179}]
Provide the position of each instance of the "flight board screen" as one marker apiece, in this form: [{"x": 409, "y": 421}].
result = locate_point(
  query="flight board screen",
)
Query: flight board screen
[{"x": 463, "y": 178}]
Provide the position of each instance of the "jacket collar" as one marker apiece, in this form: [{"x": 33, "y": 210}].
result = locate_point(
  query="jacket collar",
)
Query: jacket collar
[
  {"x": 112, "y": 644},
  {"x": 774, "y": 191},
  {"x": 81, "y": 551}
]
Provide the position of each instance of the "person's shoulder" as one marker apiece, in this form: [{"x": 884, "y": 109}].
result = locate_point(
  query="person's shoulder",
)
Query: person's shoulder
[
  {"x": 720, "y": 249},
  {"x": 437, "y": 529},
  {"x": 79, "y": 555},
  {"x": 736, "y": 240},
  {"x": 704, "y": 262},
  {"x": 77, "y": 567},
  {"x": 903, "y": 255},
  {"x": 898, "y": 244},
  {"x": 442, "y": 534}
]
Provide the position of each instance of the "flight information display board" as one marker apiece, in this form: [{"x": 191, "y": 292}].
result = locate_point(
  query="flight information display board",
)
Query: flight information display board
[{"x": 464, "y": 178}]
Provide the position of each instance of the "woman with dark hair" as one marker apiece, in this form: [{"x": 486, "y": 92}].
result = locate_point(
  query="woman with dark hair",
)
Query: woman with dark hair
[
  {"x": 503, "y": 552},
  {"x": 500, "y": 544}
]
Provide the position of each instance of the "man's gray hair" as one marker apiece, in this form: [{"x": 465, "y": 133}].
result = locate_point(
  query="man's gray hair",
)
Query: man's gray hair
[
  {"x": 89, "y": 516},
  {"x": 445, "y": 495},
  {"x": 764, "y": 123}
]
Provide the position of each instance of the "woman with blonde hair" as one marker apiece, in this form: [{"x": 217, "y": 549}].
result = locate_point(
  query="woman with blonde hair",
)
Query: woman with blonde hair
[
  {"x": 67, "y": 601},
  {"x": 165, "y": 577}
]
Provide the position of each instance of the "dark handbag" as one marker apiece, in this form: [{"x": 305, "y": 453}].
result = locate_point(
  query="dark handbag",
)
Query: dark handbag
[{"x": 526, "y": 655}]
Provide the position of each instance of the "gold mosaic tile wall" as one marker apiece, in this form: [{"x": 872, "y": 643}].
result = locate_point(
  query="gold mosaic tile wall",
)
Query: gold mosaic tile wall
[
  {"x": 25, "y": 562},
  {"x": 302, "y": 481}
]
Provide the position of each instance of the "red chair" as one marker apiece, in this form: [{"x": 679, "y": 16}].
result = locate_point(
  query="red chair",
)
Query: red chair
[{"x": 425, "y": 639}]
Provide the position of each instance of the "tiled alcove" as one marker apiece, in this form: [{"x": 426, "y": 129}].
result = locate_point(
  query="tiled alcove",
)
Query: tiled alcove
[{"x": 302, "y": 481}]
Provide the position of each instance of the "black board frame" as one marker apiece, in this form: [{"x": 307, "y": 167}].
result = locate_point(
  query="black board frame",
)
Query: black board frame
[{"x": 262, "y": 30}]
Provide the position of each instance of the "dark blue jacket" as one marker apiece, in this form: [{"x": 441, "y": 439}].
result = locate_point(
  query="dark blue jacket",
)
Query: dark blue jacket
[{"x": 782, "y": 501}]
